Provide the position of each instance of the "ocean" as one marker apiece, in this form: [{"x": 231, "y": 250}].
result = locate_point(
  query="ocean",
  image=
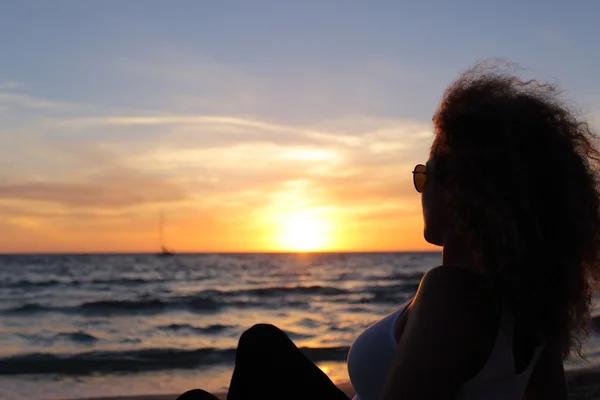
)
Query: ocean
[{"x": 76, "y": 326}]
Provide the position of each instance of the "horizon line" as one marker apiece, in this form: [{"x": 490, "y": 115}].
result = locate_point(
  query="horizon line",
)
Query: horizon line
[{"x": 74, "y": 253}]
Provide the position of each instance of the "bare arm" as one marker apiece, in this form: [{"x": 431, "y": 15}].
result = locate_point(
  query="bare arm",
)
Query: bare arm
[{"x": 451, "y": 325}]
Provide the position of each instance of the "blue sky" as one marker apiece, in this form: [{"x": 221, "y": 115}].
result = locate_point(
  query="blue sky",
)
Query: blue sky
[{"x": 237, "y": 111}]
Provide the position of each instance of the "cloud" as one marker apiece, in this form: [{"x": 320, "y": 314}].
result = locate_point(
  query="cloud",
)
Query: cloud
[
  {"x": 19, "y": 208},
  {"x": 98, "y": 180},
  {"x": 223, "y": 160},
  {"x": 214, "y": 126},
  {"x": 126, "y": 159},
  {"x": 351, "y": 131},
  {"x": 118, "y": 188},
  {"x": 29, "y": 102}
]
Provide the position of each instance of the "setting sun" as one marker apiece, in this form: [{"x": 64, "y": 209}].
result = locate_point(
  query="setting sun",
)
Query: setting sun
[{"x": 303, "y": 232}]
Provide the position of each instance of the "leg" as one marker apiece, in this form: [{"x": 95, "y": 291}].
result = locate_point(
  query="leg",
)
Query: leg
[{"x": 269, "y": 366}]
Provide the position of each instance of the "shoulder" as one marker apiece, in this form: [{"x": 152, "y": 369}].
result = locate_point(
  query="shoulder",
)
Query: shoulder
[
  {"x": 450, "y": 294},
  {"x": 461, "y": 283}
]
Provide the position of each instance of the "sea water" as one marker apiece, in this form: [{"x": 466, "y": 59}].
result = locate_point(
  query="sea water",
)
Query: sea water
[{"x": 77, "y": 326}]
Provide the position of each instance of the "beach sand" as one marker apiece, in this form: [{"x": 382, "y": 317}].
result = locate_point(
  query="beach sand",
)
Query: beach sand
[
  {"x": 346, "y": 387},
  {"x": 584, "y": 384}
]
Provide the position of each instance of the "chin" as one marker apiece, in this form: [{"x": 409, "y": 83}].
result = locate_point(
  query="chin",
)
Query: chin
[{"x": 433, "y": 238}]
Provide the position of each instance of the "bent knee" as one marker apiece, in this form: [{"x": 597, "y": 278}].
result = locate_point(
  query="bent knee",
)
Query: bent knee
[{"x": 260, "y": 333}]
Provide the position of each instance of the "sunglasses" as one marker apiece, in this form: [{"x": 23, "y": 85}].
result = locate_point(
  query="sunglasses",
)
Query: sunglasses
[{"x": 419, "y": 177}]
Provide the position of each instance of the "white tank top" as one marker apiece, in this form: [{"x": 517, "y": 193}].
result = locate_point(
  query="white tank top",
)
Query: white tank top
[{"x": 371, "y": 356}]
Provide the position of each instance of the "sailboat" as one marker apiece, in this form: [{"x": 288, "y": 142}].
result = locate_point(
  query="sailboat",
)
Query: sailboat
[{"x": 164, "y": 251}]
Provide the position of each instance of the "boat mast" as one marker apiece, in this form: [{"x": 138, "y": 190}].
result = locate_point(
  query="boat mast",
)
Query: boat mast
[{"x": 161, "y": 228}]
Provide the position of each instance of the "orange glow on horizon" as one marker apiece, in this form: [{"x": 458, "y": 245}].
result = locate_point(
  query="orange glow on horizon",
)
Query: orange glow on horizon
[{"x": 270, "y": 228}]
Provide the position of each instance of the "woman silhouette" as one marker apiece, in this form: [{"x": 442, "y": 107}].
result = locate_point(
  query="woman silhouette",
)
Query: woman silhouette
[{"x": 510, "y": 191}]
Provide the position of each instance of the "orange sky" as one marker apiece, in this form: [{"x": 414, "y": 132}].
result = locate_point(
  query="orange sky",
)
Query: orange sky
[
  {"x": 224, "y": 231},
  {"x": 325, "y": 188},
  {"x": 344, "y": 185}
]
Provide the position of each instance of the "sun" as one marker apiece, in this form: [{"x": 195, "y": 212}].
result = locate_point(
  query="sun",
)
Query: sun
[{"x": 303, "y": 232}]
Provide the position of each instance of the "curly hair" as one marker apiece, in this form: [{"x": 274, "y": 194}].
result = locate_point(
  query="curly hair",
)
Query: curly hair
[{"x": 520, "y": 171}]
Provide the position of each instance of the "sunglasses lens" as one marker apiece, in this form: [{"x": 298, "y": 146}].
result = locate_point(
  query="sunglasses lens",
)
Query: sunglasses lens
[{"x": 419, "y": 177}]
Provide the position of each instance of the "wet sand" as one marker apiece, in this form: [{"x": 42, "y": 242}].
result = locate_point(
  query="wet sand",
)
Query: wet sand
[{"x": 584, "y": 384}]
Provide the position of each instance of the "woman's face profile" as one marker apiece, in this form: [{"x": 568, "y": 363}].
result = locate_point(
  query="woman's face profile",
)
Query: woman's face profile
[{"x": 433, "y": 209}]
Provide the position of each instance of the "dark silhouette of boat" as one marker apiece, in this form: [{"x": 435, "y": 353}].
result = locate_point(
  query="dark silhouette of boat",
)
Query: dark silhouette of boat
[{"x": 164, "y": 252}]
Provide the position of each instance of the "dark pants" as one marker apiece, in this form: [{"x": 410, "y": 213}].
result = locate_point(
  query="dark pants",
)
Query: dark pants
[{"x": 268, "y": 365}]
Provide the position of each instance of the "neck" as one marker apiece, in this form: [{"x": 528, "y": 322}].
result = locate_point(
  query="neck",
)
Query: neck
[{"x": 456, "y": 252}]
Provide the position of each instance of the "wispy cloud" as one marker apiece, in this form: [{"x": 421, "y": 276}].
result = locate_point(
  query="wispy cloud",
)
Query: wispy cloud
[
  {"x": 199, "y": 125},
  {"x": 109, "y": 191},
  {"x": 26, "y": 101}
]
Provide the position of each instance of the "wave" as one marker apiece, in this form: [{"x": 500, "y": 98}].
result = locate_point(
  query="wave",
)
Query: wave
[
  {"x": 28, "y": 308},
  {"x": 137, "y": 360},
  {"x": 78, "y": 336},
  {"x": 213, "y": 300},
  {"x": 122, "y": 307},
  {"x": 24, "y": 283},
  {"x": 276, "y": 291},
  {"x": 294, "y": 290},
  {"x": 203, "y": 302},
  {"x": 217, "y": 328},
  {"x": 28, "y": 284},
  {"x": 200, "y": 305}
]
